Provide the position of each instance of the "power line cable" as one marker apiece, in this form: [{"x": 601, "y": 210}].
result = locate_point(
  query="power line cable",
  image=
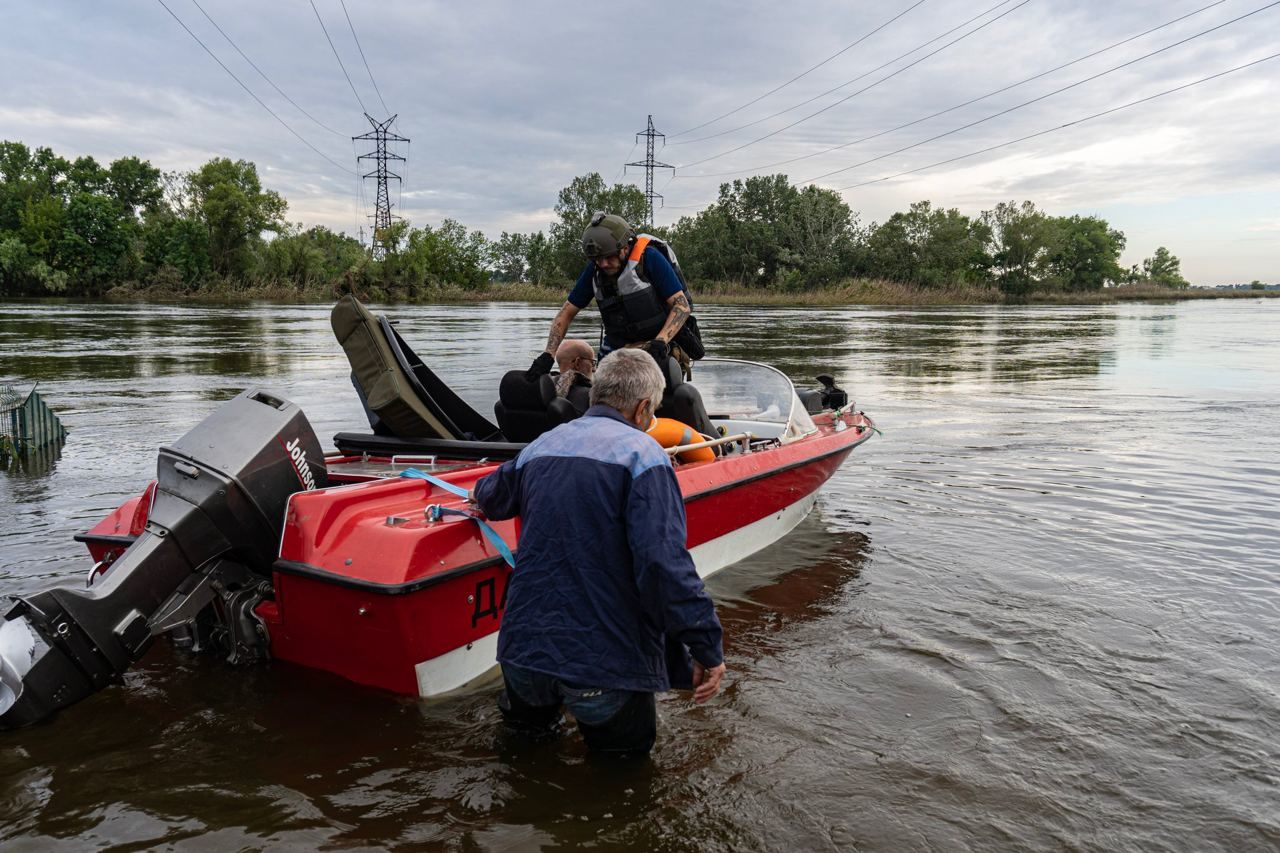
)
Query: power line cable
[
  {"x": 363, "y": 202},
  {"x": 1039, "y": 98},
  {"x": 842, "y": 50},
  {"x": 623, "y": 169},
  {"x": 250, "y": 91},
  {"x": 864, "y": 74},
  {"x": 1064, "y": 126},
  {"x": 263, "y": 74},
  {"x": 957, "y": 106},
  {"x": 855, "y": 94},
  {"x": 337, "y": 57},
  {"x": 356, "y": 199},
  {"x": 404, "y": 177},
  {"x": 362, "y": 57}
]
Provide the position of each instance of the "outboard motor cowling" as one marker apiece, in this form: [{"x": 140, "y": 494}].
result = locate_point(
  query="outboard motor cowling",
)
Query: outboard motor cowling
[
  {"x": 221, "y": 497},
  {"x": 826, "y": 398}
]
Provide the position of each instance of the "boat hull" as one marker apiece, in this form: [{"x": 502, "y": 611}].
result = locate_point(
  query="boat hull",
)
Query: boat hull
[{"x": 378, "y": 614}]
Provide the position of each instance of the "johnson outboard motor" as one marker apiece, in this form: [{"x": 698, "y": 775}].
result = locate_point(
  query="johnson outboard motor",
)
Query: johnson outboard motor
[
  {"x": 822, "y": 399},
  {"x": 211, "y": 536}
]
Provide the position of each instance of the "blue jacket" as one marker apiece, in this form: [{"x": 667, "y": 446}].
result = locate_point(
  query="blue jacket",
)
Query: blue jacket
[{"x": 604, "y": 589}]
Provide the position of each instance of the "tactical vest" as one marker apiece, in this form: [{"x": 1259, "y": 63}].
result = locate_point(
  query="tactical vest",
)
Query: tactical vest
[{"x": 630, "y": 307}]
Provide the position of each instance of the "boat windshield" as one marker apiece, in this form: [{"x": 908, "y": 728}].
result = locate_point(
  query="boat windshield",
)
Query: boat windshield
[{"x": 750, "y": 397}]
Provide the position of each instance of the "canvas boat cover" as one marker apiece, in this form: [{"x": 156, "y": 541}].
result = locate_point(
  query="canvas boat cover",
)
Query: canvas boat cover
[{"x": 405, "y": 397}]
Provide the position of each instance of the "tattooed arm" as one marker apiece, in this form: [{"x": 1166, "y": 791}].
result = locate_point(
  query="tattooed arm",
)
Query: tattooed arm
[
  {"x": 678, "y": 313},
  {"x": 560, "y": 326}
]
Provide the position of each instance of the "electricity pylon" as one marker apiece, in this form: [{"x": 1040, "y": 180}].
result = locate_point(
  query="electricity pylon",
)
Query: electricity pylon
[
  {"x": 382, "y": 211},
  {"x": 650, "y": 164}
]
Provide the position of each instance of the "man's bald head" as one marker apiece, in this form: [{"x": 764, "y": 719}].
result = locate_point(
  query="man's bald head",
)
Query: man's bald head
[{"x": 575, "y": 354}]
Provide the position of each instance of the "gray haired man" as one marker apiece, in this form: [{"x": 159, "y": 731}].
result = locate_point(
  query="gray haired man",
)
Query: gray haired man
[{"x": 605, "y": 607}]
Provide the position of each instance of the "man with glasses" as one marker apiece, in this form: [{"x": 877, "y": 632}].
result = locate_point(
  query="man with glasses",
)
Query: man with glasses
[
  {"x": 577, "y": 363},
  {"x": 642, "y": 300}
]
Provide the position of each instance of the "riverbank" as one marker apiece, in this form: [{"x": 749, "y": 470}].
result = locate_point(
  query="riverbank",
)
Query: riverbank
[{"x": 856, "y": 292}]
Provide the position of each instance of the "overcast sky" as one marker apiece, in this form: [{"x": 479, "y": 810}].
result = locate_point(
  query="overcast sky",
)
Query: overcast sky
[{"x": 505, "y": 103}]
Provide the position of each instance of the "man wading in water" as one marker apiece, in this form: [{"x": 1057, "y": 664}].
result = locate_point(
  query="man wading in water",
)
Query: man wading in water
[{"x": 605, "y": 607}]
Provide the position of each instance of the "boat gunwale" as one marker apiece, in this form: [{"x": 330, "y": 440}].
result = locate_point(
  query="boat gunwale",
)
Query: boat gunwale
[{"x": 306, "y": 570}]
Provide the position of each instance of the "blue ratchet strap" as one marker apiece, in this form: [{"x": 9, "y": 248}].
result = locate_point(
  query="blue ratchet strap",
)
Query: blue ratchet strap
[
  {"x": 415, "y": 474},
  {"x": 435, "y": 512}
]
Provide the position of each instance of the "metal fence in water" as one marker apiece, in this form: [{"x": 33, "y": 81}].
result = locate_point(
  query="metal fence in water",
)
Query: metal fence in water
[{"x": 27, "y": 424}]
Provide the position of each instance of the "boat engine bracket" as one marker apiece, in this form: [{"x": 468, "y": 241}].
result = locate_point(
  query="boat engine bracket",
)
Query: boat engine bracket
[{"x": 214, "y": 609}]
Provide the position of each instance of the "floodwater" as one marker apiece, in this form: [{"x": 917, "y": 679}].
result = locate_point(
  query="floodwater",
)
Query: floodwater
[{"x": 1039, "y": 613}]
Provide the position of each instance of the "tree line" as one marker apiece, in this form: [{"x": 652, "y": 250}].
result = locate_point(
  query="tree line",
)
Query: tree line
[{"x": 78, "y": 228}]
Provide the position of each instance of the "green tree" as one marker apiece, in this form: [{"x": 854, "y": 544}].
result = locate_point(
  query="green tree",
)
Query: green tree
[
  {"x": 756, "y": 212},
  {"x": 135, "y": 185},
  {"x": 312, "y": 256},
  {"x": 510, "y": 256},
  {"x": 21, "y": 273},
  {"x": 1021, "y": 244},
  {"x": 820, "y": 238},
  {"x": 228, "y": 198},
  {"x": 575, "y": 205},
  {"x": 1085, "y": 253},
  {"x": 175, "y": 243},
  {"x": 431, "y": 258},
  {"x": 40, "y": 225},
  {"x": 539, "y": 259},
  {"x": 1164, "y": 269},
  {"x": 703, "y": 245},
  {"x": 93, "y": 244},
  {"x": 929, "y": 246}
]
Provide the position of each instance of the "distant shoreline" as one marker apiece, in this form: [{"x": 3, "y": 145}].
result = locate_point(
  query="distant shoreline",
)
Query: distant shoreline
[{"x": 868, "y": 293}]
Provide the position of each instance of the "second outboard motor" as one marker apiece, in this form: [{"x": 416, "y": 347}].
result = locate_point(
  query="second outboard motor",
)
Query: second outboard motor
[
  {"x": 827, "y": 397},
  {"x": 220, "y": 502}
]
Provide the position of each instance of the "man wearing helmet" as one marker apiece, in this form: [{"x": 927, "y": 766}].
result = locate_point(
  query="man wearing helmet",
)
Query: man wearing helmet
[{"x": 642, "y": 299}]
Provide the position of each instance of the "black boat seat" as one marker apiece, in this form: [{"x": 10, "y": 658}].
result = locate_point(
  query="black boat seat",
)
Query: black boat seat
[
  {"x": 522, "y": 408},
  {"x": 525, "y": 410},
  {"x": 684, "y": 404}
]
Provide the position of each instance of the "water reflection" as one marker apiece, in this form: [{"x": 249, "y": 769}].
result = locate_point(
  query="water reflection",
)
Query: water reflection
[
  {"x": 1054, "y": 566},
  {"x": 31, "y": 463},
  {"x": 138, "y": 343},
  {"x": 924, "y": 348}
]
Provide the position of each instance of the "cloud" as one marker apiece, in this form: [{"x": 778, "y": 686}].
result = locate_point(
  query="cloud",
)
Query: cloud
[{"x": 507, "y": 103}]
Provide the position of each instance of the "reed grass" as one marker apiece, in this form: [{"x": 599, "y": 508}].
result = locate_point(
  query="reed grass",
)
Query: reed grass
[{"x": 848, "y": 292}]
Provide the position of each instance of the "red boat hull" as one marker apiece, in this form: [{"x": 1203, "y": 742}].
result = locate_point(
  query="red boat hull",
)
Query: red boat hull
[{"x": 370, "y": 590}]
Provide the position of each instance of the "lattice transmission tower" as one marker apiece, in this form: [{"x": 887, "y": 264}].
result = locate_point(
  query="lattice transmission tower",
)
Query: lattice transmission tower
[
  {"x": 650, "y": 164},
  {"x": 382, "y": 216}
]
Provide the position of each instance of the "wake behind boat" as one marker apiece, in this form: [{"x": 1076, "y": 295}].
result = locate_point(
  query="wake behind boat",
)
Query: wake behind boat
[{"x": 252, "y": 543}]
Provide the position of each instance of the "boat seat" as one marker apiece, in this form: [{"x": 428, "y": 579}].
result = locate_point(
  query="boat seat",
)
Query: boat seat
[
  {"x": 684, "y": 403},
  {"x": 522, "y": 409},
  {"x": 401, "y": 395},
  {"x": 527, "y": 409}
]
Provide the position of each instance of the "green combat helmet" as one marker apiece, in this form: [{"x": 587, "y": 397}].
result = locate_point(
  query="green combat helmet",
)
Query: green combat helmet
[{"x": 607, "y": 235}]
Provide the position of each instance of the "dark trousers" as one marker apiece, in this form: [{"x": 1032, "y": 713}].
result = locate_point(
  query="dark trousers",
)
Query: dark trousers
[{"x": 616, "y": 722}]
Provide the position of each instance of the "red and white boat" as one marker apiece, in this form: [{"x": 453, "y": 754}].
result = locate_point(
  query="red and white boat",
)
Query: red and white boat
[{"x": 253, "y": 544}]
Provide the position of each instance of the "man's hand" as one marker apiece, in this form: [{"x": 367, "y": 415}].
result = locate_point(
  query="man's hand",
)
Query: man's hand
[
  {"x": 541, "y": 367},
  {"x": 661, "y": 351},
  {"x": 706, "y": 682}
]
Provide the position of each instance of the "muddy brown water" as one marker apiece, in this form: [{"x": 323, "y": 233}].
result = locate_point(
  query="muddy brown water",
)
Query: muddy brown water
[{"x": 1039, "y": 613}]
